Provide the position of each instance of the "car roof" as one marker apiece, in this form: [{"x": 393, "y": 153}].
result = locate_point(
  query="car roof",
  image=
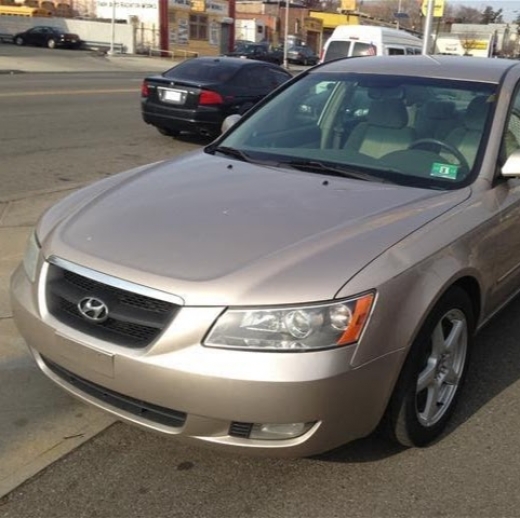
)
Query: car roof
[
  {"x": 462, "y": 68},
  {"x": 46, "y": 27},
  {"x": 234, "y": 61}
]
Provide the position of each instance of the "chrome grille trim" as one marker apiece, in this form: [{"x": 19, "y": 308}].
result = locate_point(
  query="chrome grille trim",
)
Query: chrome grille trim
[{"x": 115, "y": 281}]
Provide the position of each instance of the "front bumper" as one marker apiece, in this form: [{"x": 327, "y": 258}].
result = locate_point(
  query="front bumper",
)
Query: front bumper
[{"x": 209, "y": 390}]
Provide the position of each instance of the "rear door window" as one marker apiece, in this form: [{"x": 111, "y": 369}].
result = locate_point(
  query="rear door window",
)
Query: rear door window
[
  {"x": 277, "y": 77},
  {"x": 337, "y": 49},
  {"x": 255, "y": 79},
  {"x": 364, "y": 49}
]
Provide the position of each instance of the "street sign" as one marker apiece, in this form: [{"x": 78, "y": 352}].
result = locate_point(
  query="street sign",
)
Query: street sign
[{"x": 438, "y": 8}]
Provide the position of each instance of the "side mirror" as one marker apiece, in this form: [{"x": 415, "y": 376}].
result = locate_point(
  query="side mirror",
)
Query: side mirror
[
  {"x": 229, "y": 121},
  {"x": 511, "y": 169}
]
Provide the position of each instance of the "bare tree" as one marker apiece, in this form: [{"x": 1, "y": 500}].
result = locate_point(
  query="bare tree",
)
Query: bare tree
[
  {"x": 489, "y": 15},
  {"x": 385, "y": 10},
  {"x": 463, "y": 14}
]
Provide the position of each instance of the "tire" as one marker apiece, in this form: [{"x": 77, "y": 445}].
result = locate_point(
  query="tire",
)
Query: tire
[
  {"x": 51, "y": 43},
  {"x": 430, "y": 382},
  {"x": 19, "y": 41},
  {"x": 168, "y": 132}
]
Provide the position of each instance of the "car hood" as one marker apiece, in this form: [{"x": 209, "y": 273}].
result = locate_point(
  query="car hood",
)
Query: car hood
[{"x": 217, "y": 231}]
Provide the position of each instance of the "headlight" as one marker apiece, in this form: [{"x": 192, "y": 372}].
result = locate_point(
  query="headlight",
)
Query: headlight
[
  {"x": 296, "y": 328},
  {"x": 30, "y": 259}
]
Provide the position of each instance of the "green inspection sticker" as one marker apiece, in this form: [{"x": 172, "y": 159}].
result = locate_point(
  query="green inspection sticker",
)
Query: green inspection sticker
[{"x": 448, "y": 171}]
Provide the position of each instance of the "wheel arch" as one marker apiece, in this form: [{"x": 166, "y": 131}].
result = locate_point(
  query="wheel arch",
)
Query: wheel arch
[
  {"x": 396, "y": 421},
  {"x": 423, "y": 292},
  {"x": 471, "y": 286}
]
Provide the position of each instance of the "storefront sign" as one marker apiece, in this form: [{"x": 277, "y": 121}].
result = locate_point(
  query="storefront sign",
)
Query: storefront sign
[{"x": 147, "y": 11}]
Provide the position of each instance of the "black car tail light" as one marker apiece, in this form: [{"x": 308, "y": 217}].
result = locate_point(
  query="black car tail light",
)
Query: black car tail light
[
  {"x": 207, "y": 97},
  {"x": 145, "y": 91}
]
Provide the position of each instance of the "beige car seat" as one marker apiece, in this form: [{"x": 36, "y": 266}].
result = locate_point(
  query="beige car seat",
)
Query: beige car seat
[
  {"x": 384, "y": 131},
  {"x": 466, "y": 138}
]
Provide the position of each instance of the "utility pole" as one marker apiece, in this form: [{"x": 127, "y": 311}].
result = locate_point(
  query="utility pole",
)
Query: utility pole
[
  {"x": 428, "y": 27},
  {"x": 112, "y": 29},
  {"x": 232, "y": 14},
  {"x": 286, "y": 39}
]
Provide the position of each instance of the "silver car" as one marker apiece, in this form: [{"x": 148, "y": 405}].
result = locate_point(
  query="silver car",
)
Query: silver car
[{"x": 318, "y": 271}]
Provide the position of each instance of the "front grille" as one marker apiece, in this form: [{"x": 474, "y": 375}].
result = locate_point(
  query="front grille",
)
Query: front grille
[
  {"x": 238, "y": 429},
  {"x": 134, "y": 320},
  {"x": 141, "y": 409}
]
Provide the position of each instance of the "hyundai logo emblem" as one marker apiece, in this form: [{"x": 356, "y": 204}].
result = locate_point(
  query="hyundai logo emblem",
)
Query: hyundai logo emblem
[{"x": 93, "y": 309}]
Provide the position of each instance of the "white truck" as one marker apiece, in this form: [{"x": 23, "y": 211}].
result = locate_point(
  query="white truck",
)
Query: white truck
[{"x": 366, "y": 40}]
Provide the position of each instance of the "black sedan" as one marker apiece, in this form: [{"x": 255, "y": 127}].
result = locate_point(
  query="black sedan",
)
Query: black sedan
[
  {"x": 258, "y": 51},
  {"x": 198, "y": 94},
  {"x": 52, "y": 37},
  {"x": 302, "y": 55}
]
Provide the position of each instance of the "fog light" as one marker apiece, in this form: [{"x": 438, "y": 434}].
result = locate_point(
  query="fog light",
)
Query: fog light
[{"x": 279, "y": 431}]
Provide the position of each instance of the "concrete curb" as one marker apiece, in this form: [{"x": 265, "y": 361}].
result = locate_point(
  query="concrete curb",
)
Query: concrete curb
[{"x": 40, "y": 422}]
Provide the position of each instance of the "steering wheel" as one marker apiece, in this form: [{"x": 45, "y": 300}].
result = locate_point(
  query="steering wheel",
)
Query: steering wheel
[{"x": 452, "y": 149}]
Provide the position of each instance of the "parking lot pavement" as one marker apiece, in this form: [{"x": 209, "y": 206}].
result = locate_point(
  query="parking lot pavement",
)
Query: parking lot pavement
[{"x": 39, "y": 422}]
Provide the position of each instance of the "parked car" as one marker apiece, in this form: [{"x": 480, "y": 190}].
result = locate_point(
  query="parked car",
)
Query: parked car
[
  {"x": 198, "y": 94},
  {"x": 240, "y": 44},
  {"x": 258, "y": 51},
  {"x": 309, "y": 276},
  {"x": 302, "y": 55},
  {"x": 51, "y": 37}
]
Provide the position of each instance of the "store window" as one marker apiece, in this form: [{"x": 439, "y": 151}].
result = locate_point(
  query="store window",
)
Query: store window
[{"x": 198, "y": 27}]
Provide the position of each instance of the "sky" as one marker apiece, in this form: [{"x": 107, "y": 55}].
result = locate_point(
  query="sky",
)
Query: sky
[{"x": 508, "y": 6}]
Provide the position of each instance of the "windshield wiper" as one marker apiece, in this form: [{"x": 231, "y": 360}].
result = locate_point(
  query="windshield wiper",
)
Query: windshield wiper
[
  {"x": 342, "y": 171},
  {"x": 238, "y": 153},
  {"x": 230, "y": 151}
]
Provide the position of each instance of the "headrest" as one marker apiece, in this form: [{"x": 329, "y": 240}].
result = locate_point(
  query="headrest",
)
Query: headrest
[
  {"x": 388, "y": 113},
  {"x": 476, "y": 112},
  {"x": 439, "y": 109}
]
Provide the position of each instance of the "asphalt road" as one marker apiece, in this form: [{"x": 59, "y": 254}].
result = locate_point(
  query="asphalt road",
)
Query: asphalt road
[{"x": 60, "y": 128}]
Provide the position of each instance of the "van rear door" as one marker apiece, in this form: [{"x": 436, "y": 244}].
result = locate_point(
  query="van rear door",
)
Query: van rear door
[{"x": 336, "y": 49}]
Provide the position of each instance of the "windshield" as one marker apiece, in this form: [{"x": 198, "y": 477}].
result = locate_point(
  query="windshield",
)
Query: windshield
[{"x": 413, "y": 131}]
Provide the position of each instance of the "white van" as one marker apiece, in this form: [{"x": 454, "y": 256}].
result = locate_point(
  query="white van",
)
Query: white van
[{"x": 366, "y": 40}]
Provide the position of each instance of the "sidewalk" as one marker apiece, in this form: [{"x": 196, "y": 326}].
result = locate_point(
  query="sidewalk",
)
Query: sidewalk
[
  {"x": 85, "y": 62},
  {"x": 39, "y": 422}
]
